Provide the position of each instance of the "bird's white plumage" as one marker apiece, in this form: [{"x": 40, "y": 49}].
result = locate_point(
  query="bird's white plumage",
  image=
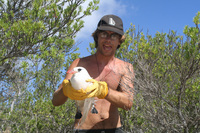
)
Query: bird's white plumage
[
  {"x": 78, "y": 81},
  {"x": 79, "y": 78}
]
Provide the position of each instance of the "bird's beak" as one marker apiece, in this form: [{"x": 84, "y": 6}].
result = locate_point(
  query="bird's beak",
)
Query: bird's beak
[{"x": 71, "y": 71}]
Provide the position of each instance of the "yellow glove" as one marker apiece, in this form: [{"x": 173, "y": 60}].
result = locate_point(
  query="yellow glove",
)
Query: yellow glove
[
  {"x": 98, "y": 89},
  {"x": 72, "y": 93}
]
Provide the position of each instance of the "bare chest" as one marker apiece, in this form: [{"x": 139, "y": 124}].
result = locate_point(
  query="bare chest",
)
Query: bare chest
[{"x": 107, "y": 74}]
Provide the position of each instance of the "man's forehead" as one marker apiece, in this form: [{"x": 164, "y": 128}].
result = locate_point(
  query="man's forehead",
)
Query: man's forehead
[{"x": 110, "y": 32}]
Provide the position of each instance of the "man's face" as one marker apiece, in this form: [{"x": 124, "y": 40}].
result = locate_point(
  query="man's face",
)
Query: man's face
[{"x": 108, "y": 42}]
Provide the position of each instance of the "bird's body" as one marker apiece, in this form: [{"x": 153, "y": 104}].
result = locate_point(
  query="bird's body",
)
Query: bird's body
[{"x": 78, "y": 81}]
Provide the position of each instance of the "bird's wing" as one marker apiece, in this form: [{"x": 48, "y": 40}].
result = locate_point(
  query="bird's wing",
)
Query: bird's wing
[{"x": 79, "y": 82}]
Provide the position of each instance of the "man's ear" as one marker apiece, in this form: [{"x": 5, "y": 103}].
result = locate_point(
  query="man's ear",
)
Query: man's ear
[{"x": 122, "y": 39}]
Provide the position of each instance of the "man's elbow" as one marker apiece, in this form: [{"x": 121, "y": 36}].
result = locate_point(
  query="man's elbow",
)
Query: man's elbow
[
  {"x": 128, "y": 106},
  {"x": 59, "y": 102},
  {"x": 54, "y": 103}
]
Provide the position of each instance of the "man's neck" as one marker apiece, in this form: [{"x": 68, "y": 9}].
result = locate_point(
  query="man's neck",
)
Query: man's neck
[{"x": 104, "y": 60}]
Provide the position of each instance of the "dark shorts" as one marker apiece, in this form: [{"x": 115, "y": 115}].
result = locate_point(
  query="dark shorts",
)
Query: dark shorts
[{"x": 114, "y": 130}]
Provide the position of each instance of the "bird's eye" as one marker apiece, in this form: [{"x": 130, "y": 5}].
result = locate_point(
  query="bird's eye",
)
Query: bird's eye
[{"x": 79, "y": 70}]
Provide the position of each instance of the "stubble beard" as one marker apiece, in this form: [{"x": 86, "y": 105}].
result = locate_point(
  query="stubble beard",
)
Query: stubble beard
[{"x": 104, "y": 53}]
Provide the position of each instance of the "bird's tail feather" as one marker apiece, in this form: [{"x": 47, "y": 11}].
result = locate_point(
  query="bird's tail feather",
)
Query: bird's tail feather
[{"x": 87, "y": 106}]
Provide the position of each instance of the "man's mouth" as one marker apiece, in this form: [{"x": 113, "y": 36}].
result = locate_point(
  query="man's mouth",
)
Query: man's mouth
[{"x": 107, "y": 47}]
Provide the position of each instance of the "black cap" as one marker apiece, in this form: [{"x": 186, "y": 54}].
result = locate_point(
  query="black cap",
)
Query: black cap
[{"x": 111, "y": 23}]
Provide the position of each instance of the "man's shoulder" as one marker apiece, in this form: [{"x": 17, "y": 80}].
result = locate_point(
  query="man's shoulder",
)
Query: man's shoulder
[
  {"x": 124, "y": 67},
  {"x": 123, "y": 63},
  {"x": 85, "y": 60}
]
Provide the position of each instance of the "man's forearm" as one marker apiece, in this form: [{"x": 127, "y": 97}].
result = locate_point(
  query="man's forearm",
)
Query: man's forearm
[
  {"x": 120, "y": 99},
  {"x": 58, "y": 97}
]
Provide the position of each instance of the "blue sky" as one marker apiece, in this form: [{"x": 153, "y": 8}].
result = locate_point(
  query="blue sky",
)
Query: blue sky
[{"x": 149, "y": 15}]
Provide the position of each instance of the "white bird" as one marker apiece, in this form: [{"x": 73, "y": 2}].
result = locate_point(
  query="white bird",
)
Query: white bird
[{"x": 78, "y": 81}]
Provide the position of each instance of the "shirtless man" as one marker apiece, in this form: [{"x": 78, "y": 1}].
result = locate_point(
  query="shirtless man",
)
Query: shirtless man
[{"x": 104, "y": 66}]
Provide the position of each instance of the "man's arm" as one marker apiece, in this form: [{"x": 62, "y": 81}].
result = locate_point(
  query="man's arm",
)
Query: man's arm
[
  {"x": 58, "y": 97},
  {"x": 123, "y": 98}
]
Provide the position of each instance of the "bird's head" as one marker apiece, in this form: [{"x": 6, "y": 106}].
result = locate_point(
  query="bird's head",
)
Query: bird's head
[
  {"x": 79, "y": 77},
  {"x": 75, "y": 70},
  {"x": 78, "y": 71}
]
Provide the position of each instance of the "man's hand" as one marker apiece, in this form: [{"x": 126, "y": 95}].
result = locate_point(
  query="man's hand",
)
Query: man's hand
[
  {"x": 72, "y": 93},
  {"x": 98, "y": 89}
]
